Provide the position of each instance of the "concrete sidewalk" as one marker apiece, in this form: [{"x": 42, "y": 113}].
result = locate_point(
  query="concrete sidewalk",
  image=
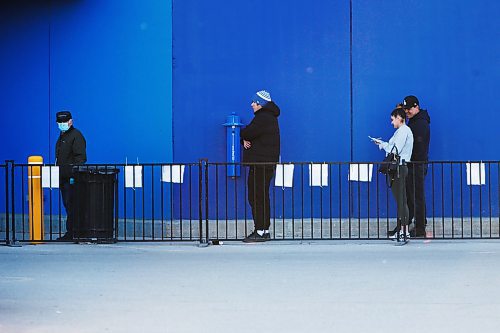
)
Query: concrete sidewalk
[{"x": 279, "y": 286}]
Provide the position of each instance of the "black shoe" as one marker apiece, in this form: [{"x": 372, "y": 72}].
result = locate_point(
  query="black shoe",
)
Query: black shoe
[
  {"x": 417, "y": 234},
  {"x": 267, "y": 237},
  {"x": 66, "y": 237},
  {"x": 392, "y": 232},
  {"x": 254, "y": 237}
]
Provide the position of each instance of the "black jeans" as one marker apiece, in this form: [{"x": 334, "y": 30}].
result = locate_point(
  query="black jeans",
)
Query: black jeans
[
  {"x": 415, "y": 192},
  {"x": 259, "y": 180},
  {"x": 67, "y": 199},
  {"x": 398, "y": 189}
]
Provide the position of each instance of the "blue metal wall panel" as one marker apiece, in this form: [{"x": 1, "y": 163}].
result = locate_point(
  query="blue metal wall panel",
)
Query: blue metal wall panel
[
  {"x": 299, "y": 51},
  {"x": 24, "y": 99},
  {"x": 444, "y": 52},
  {"x": 112, "y": 65},
  {"x": 109, "y": 63}
]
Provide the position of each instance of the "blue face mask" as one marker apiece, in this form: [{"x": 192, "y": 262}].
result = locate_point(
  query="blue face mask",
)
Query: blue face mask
[{"x": 63, "y": 126}]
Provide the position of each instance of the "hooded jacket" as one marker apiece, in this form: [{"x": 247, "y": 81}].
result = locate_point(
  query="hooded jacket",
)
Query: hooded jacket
[
  {"x": 264, "y": 134},
  {"x": 420, "y": 127}
]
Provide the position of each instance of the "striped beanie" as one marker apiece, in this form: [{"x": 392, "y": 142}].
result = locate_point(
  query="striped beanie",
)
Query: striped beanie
[{"x": 261, "y": 97}]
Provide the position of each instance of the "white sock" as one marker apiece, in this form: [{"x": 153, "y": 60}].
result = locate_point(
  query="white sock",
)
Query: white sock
[
  {"x": 260, "y": 232},
  {"x": 266, "y": 231}
]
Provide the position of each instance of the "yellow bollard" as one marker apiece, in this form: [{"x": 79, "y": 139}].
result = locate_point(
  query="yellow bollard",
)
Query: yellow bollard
[{"x": 35, "y": 194}]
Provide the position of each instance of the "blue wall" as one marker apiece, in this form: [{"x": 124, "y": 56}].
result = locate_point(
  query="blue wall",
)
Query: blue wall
[
  {"x": 107, "y": 62},
  {"x": 111, "y": 65},
  {"x": 224, "y": 54},
  {"x": 445, "y": 52},
  {"x": 24, "y": 81},
  {"x": 155, "y": 79}
]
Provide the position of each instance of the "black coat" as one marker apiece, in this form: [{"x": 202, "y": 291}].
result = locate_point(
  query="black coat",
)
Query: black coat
[
  {"x": 263, "y": 132},
  {"x": 420, "y": 127},
  {"x": 70, "y": 149}
]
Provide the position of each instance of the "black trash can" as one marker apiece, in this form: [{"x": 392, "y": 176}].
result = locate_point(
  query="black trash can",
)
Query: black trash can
[{"x": 94, "y": 204}]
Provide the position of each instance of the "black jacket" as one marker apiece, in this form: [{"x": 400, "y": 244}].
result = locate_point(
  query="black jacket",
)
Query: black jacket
[
  {"x": 264, "y": 134},
  {"x": 420, "y": 127},
  {"x": 70, "y": 149}
]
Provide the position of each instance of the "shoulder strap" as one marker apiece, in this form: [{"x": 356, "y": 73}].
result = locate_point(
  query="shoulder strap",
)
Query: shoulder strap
[{"x": 394, "y": 147}]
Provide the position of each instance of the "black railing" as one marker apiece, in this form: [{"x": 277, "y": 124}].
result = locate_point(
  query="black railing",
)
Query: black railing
[
  {"x": 204, "y": 201},
  {"x": 347, "y": 206},
  {"x": 4, "y": 203}
]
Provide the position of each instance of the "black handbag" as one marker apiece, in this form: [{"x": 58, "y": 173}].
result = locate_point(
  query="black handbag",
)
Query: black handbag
[{"x": 390, "y": 164}]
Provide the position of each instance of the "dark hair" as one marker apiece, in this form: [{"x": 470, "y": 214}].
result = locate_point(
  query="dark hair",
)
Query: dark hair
[{"x": 399, "y": 112}]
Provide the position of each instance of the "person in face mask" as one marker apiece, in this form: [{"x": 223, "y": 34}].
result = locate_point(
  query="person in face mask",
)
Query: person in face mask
[{"x": 70, "y": 150}]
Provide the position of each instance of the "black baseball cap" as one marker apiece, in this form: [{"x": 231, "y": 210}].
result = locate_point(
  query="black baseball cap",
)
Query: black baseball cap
[
  {"x": 410, "y": 101},
  {"x": 63, "y": 116}
]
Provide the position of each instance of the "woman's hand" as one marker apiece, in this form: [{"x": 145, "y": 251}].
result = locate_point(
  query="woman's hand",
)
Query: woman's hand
[{"x": 247, "y": 144}]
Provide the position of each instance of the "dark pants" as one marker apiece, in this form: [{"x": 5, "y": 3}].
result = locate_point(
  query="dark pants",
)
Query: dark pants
[
  {"x": 67, "y": 199},
  {"x": 398, "y": 189},
  {"x": 259, "y": 180},
  {"x": 415, "y": 192}
]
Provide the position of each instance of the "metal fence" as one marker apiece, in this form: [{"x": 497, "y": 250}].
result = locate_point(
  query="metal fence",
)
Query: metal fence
[
  {"x": 4, "y": 202},
  {"x": 205, "y": 201},
  {"x": 335, "y": 200}
]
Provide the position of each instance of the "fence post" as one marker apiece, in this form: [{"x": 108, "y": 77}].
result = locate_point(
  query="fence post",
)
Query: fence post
[
  {"x": 202, "y": 198},
  {"x": 14, "y": 242},
  {"x": 7, "y": 203},
  {"x": 207, "y": 236},
  {"x": 10, "y": 240}
]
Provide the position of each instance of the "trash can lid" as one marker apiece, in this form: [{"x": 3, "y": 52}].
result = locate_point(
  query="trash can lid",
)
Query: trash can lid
[{"x": 96, "y": 169}]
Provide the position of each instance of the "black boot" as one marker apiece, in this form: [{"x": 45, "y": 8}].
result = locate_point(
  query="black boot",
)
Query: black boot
[{"x": 66, "y": 237}]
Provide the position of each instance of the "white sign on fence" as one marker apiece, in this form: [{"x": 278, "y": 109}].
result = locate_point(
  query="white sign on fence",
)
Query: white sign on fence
[
  {"x": 476, "y": 174},
  {"x": 284, "y": 175},
  {"x": 50, "y": 176},
  {"x": 172, "y": 173},
  {"x": 133, "y": 176},
  {"x": 318, "y": 174},
  {"x": 360, "y": 172}
]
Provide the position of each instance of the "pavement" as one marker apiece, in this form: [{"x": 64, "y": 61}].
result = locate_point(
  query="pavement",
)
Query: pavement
[{"x": 278, "y": 286}]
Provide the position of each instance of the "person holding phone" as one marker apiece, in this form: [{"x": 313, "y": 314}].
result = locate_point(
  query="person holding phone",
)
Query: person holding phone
[{"x": 401, "y": 143}]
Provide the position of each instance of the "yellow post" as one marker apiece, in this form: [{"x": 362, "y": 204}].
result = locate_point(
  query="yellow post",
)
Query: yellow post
[{"x": 35, "y": 194}]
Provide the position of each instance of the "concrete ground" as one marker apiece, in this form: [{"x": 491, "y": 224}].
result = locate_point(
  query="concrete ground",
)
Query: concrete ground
[{"x": 280, "y": 286}]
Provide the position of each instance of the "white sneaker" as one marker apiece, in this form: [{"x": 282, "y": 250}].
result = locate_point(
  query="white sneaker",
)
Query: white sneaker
[{"x": 401, "y": 236}]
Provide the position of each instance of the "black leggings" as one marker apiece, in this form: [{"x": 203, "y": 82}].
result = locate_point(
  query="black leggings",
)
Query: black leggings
[{"x": 398, "y": 189}]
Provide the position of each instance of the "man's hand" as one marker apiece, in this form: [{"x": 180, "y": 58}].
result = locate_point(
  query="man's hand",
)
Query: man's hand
[{"x": 247, "y": 144}]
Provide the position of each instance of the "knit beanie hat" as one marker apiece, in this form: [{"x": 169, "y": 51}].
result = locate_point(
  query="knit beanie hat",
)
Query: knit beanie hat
[{"x": 261, "y": 97}]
